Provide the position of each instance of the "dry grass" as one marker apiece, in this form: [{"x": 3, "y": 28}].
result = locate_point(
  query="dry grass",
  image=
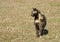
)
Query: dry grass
[{"x": 16, "y": 24}]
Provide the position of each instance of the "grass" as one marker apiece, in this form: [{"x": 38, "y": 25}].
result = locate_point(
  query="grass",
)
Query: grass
[{"x": 16, "y": 23}]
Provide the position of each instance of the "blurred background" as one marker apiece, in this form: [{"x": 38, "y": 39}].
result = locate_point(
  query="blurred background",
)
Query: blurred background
[{"x": 16, "y": 23}]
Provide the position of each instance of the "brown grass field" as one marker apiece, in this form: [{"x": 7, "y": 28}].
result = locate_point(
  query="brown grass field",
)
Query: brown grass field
[{"x": 16, "y": 23}]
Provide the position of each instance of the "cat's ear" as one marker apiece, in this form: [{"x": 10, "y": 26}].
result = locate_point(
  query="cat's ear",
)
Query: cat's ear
[{"x": 34, "y": 9}]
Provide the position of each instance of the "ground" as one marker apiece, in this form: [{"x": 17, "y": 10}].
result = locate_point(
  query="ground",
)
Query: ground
[{"x": 16, "y": 23}]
